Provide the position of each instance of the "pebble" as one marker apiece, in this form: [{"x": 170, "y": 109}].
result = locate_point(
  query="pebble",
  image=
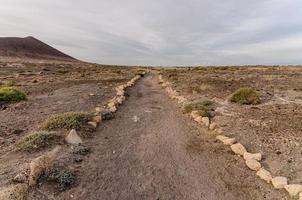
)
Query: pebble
[
  {"x": 264, "y": 175},
  {"x": 279, "y": 182},
  {"x": 73, "y": 138},
  {"x": 238, "y": 149},
  {"x": 255, "y": 156},
  {"x": 293, "y": 189},
  {"x": 253, "y": 164}
]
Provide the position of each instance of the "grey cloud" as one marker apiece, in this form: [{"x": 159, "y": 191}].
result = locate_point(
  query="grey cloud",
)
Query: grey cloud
[{"x": 162, "y": 32}]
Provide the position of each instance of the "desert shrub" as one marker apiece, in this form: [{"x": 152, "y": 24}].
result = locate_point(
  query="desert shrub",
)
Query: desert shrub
[
  {"x": 69, "y": 120},
  {"x": 11, "y": 94},
  {"x": 203, "y": 107},
  {"x": 38, "y": 140},
  {"x": 245, "y": 96},
  {"x": 64, "y": 177}
]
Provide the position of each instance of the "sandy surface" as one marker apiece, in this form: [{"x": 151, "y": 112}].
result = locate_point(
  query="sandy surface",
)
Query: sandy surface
[{"x": 152, "y": 151}]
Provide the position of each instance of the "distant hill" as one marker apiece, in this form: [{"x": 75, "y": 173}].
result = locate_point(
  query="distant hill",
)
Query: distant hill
[{"x": 29, "y": 47}]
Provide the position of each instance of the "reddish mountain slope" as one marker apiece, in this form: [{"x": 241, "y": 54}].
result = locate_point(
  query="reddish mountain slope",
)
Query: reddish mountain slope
[{"x": 29, "y": 47}]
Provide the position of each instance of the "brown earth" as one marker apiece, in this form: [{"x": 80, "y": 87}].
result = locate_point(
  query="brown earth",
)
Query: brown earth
[
  {"x": 51, "y": 89},
  {"x": 29, "y": 47},
  {"x": 150, "y": 150},
  {"x": 272, "y": 128}
]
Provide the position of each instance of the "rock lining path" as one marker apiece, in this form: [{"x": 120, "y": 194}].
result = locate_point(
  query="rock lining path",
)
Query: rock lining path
[{"x": 150, "y": 150}]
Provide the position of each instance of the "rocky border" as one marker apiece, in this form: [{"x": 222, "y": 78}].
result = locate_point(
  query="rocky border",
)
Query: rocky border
[
  {"x": 252, "y": 160},
  {"x": 29, "y": 176}
]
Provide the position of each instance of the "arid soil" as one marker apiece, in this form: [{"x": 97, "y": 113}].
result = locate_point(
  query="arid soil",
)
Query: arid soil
[
  {"x": 272, "y": 128},
  {"x": 150, "y": 150},
  {"x": 52, "y": 88}
]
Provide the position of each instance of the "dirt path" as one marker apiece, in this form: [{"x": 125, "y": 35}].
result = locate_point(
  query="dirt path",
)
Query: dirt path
[{"x": 152, "y": 151}]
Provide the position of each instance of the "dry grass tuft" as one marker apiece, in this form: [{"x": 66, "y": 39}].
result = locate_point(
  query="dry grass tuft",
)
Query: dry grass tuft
[
  {"x": 38, "y": 140},
  {"x": 245, "y": 96},
  {"x": 69, "y": 120},
  {"x": 203, "y": 107}
]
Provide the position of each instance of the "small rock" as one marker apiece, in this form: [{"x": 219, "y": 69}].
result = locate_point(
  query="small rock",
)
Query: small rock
[
  {"x": 91, "y": 94},
  {"x": 264, "y": 175},
  {"x": 113, "y": 109},
  {"x": 93, "y": 124},
  {"x": 255, "y": 156},
  {"x": 73, "y": 138},
  {"x": 253, "y": 164},
  {"x": 97, "y": 119},
  {"x": 279, "y": 182},
  {"x": 198, "y": 119},
  {"x": 98, "y": 109},
  {"x": 221, "y": 138},
  {"x": 300, "y": 196},
  {"x": 213, "y": 126},
  {"x": 21, "y": 177},
  {"x": 107, "y": 115},
  {"x": 238, "y": 149},
  {"x": 195, "y": 114},
  {"x": 293, "y": 189},
  {"x": 229, "y": 141},
  {"x": 18, "y": 131},
  {"x": 206, "y": 121}
]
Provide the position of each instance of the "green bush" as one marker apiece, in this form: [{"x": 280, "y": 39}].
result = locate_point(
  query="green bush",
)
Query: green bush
[
  {"x": 11, "y": 94},
  {"x": 38, "y": 140},
  {"x": 64, "y": 177},
  {"x": 69, "y": 120},
  {"x": 203, "y": 107},
  {"x": 245, "y": 96}
]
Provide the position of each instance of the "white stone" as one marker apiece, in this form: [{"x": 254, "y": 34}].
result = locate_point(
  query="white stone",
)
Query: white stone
[
  {"x": 264, "y": 175},
  {"x": 198, "y": 119},
  {"x": 279, "y": 182},
  {"x": 238, "y": 149},
  {"x": 253, "y": 164},
  {"x": 229, "y": 141},
  {"x": 255, "y": 156},
  {"x": 93, "y": 124},
  {"x": 195, "y": 114},
  {"x": 293, "y": 189},
  {"x": 213, "y": 126},
  {"x": 221, "y": 138},
  {"x": 73, "y": 138},
  {"x": 226, "y": 140},
  {"x": 206, "y": 121}
]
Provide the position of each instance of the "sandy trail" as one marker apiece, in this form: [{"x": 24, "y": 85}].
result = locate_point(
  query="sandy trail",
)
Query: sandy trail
[{"x": 152, "y": 151}]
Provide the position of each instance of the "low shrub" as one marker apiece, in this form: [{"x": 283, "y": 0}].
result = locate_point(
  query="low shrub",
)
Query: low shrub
[
  {"x": 63, "y": 177},
  {"x": 203, "y": 107},
  {"x": 69, "y": 120},
  {"x": 245, "y": 96},
  {"x": 11, "y": 94},
  {"x": 38, "y": 140}
]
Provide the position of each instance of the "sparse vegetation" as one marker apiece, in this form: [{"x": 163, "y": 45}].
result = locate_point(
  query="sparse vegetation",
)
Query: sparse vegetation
[
  {"x": 81, "y": 150},
  {"x": 38, "y": 140},
  {"x": 245, "y": 96},
  {"x": 203, "y": 107},
  {"x": 11, "y": 94},
  {"x": 69, "y": 120},
  {"x": 64, "y": 177}
]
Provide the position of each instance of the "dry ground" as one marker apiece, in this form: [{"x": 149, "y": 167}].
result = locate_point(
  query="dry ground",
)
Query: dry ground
[
  {"x": 273, "y": 127},
  {"x": 52, "y": 88}
]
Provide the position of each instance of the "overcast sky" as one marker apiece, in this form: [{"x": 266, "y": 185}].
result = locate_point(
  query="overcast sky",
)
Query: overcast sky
[{"x": 162, "y": 32}]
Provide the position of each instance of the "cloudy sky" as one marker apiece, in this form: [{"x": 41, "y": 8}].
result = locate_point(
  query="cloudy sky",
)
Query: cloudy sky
[{"x": 162, "y": 32}]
